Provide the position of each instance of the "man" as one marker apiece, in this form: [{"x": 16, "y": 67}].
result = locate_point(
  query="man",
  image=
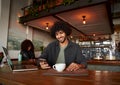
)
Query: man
[{"x": 62, "y": 50}]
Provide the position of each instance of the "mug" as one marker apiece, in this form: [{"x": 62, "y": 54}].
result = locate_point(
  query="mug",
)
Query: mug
[{"x": 59, "y": 67}]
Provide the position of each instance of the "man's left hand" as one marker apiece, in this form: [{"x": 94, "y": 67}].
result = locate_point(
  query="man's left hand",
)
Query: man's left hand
[{"x": 73, "y": 67}]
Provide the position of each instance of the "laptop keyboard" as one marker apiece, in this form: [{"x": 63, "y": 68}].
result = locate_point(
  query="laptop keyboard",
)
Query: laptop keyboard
[{"x": 19, "y": 67}]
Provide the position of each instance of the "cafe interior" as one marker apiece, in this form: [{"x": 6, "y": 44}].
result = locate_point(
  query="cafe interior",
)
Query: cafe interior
[{"x": 95, "y": 28}]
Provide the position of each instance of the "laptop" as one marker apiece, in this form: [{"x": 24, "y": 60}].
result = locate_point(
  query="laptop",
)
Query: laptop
[
  {"x": 18, "y": 67},
  {"x": 1, "y": 57}
]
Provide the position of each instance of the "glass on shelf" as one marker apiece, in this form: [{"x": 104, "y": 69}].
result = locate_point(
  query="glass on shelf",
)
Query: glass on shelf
[{"x": 111, "y": 55}]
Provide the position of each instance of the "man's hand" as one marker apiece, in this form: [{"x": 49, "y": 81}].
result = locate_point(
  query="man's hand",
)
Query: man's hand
[
  {"x": 74, "y": 67},
  {"x": 44, "y": 65}
]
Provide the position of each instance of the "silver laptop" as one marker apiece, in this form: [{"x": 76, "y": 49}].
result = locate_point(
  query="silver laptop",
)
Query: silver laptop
[{"x": 18, "y": 67}]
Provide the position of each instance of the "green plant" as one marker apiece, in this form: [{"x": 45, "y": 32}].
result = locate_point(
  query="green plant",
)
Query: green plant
[
  {"x": 41, "y": 48},
  {"x": 68, "y": 2},
  {"x": 46, "y": 5}
]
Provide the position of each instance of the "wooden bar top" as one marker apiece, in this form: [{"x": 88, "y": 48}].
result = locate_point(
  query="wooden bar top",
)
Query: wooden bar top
[
  {"x": 37, "y": 78},
  {"x": 104, "y": 62}
]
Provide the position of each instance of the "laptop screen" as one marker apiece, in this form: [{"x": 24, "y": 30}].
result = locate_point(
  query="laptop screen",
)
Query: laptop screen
[
  {"x": 7, "y": 56},
  {"x": 1, "y": 57}
]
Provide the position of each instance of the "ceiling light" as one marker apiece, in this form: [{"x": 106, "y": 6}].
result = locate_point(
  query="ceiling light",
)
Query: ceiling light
[
  {"x": 47, "y": 26},
  {"x": 94, "y": 35},
  {"x": 71, "y": 36},
  {"x": 84, "y": 19}
]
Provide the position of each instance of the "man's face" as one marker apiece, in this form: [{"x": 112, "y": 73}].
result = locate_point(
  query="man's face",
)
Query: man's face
[{"x": 60, "y": 36}]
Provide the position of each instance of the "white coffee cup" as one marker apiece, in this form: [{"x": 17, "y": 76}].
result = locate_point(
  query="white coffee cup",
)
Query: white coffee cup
[{"x": 59, "y": 67}]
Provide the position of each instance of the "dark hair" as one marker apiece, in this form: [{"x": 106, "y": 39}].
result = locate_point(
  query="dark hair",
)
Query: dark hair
[
  {"x": 25, "y": 44},
  {"x": 60, "y": 26}
]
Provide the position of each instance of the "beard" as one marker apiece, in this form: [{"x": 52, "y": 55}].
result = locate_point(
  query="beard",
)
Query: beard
[{"x": 62, "y": 39}]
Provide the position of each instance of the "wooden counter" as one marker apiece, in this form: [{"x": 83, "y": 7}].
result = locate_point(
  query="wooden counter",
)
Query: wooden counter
[
  {"x": 37, "y": 78},
  {"x": 104, "y": 65}
]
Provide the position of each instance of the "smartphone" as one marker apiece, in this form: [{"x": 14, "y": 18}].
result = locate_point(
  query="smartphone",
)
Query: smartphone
[{"x": 43, "y": 60}]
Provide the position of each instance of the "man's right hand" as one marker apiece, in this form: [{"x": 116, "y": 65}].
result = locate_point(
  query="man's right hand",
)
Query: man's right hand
[{"x": 44, "y": 65}]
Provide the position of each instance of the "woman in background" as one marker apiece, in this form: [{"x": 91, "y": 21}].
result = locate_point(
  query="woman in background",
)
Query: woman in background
[{"x": 27, "y": 50}]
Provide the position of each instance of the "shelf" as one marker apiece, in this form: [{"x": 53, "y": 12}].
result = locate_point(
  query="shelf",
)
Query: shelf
[
  {"x": 95, "y": 47},
  {"x": 104, "y": 62}
]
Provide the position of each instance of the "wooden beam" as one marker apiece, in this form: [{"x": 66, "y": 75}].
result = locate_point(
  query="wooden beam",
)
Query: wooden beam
[{"x": 61, "y": 8}]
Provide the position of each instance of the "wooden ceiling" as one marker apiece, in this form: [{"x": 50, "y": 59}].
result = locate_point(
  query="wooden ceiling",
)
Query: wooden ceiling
[{"x": 98, "y": 19}]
